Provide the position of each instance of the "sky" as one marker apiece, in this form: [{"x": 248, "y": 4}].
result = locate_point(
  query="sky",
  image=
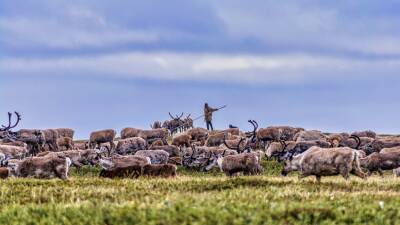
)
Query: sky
[{"x": 98, "y": 64}]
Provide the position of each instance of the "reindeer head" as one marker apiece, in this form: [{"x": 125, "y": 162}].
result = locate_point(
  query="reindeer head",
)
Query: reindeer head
[
  {"x": 105, "y": 164},
  {"x": 242, "y": 146},
  {"x": 292, "y": 163}
]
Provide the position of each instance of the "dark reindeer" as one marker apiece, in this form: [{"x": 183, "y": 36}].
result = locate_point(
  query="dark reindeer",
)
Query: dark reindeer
[
  {"x": 175, "y": 124},
  {"x": 253, "y": 134},
  {"x": 187, "y": 123},
  {"x": 156, "y": 125}
]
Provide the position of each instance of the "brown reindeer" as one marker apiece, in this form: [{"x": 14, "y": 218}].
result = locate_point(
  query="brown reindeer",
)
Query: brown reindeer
[
  {"x": 198, "y": 134},
  {"x": 129, "y": 132},
  {"x": 248, "y": 163},
  {"x": 4, "y": 172},
  {"x": 159, "y": 170},
  {"x": 102, "y": 136},
  {"x": 182, "y": 140},
  {"x": 65, "y": 132},
  {"x": 387, "y": 159},
  {"x": 50, "y": 137},
  {"x": 65, "y": 142},
  {"x": 43, "y": 167},
  {"x": 131, "y": 171},
  {"x": 35, "y": 139}
]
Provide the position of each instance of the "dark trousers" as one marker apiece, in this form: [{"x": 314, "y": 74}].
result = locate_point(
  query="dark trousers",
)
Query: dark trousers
[{"x": 209, "y": 125}]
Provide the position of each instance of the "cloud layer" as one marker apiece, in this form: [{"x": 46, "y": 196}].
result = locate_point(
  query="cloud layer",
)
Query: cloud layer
[{"x": 312, "y": 63}]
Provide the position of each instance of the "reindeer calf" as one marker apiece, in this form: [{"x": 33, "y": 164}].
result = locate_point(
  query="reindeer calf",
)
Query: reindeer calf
[
  {"x": 131, "y": 171},
  {"x": 159, "y": 170},
  {"x": 4, "y": 172}
]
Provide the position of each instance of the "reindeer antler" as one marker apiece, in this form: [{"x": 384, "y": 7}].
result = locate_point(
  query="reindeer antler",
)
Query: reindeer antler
[
  {"x": 9, "y": 126},
  {"x": 238, "y": 146},
  {"x": 179, "y": 117},
  {"x": 255, "y": 127},
  {"x": 256, "y": 124},
  {"x": 171, "y": 116}
]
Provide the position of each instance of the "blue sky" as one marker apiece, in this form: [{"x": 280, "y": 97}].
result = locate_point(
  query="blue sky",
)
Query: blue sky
[{"x": 97, "y": 64}]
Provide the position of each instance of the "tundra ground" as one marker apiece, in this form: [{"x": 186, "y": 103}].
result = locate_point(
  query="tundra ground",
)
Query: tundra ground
[{"x": 197, "y": 198}]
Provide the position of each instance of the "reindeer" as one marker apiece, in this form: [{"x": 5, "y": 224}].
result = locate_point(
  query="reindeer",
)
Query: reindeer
[
  {"x": 50, "y": 137},
  {"x": 102, "y": 136},
  {"x": 122, "y": 166},
  {"x": 119, "y": 160},
  {"x": 172, "y": 150},
  {"x": 248, "y": 163},
  {"x": 200, "y": 158},
  {"x": 217, "y": 138},
  {"x": 187, "y": 123},
  {"x": 156, "y": 156},
  {"x": 35, "y": 139},
  {"x": 129, "y": 132},
  {"x": 14, "y": 152},
  {"x": 282, "y": 150},
  {"x": 159, "y": 170},
  {"x": 386, "y": 159},
  {"x": 175, "y": 160},
  {"x": 309, "y": 135},
  {"x": 78, "y": 157},
  {"x": 182, "y": 140},
  {"x": 42, "y": 167},
  {"x": 130, "y": 171},
  {"x": 276, "y": 133},
  {"x": 320, "y": 162},
  {"x": 130, "y": 145},
  {"x": 156, "y": 125},
  {"x": 156, "y": 143},
  {"x": 367, "y": 133},
  {"x": 195, "y": 159},
  {"x": 241, "y": 144},
  {"x": 175, "y": 124},
  {"x": 198, "y": 134},
  {"x": 4, "y": 172},
  {"x": 81, "y": 145},
  {"x": 66, "y": 142},
  {"x": 65, "y": 132},
  {"x": 153, "y": 135}
]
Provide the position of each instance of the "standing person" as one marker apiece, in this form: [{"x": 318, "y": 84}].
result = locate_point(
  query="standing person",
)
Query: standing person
[{"x": 208, "y": 111}]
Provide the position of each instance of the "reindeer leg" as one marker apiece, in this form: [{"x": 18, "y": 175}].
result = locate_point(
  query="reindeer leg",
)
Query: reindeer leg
[
  {"x": 318, "y": 177},
  {"x": 380, "y": 172}
]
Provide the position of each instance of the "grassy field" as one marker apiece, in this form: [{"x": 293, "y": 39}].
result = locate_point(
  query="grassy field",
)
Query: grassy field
[{"x": 197, "y": 198}]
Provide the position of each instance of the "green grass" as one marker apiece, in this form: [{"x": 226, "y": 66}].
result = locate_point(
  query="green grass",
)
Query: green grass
[{"x": 199, "y": 198}]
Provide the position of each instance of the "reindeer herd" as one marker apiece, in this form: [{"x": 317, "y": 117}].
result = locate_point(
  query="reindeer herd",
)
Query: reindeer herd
[{"x": 50, "y": 153}]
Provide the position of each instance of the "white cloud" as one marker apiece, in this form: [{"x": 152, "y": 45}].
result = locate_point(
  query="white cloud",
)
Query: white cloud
[
  {"x": 88, "y": 31},
  {"x": 291, "y": 68}
]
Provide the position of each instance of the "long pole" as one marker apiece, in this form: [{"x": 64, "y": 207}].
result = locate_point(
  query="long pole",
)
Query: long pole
[
  {"x": 222, "y": 107},
  {"x": 199, "y": 117}
]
